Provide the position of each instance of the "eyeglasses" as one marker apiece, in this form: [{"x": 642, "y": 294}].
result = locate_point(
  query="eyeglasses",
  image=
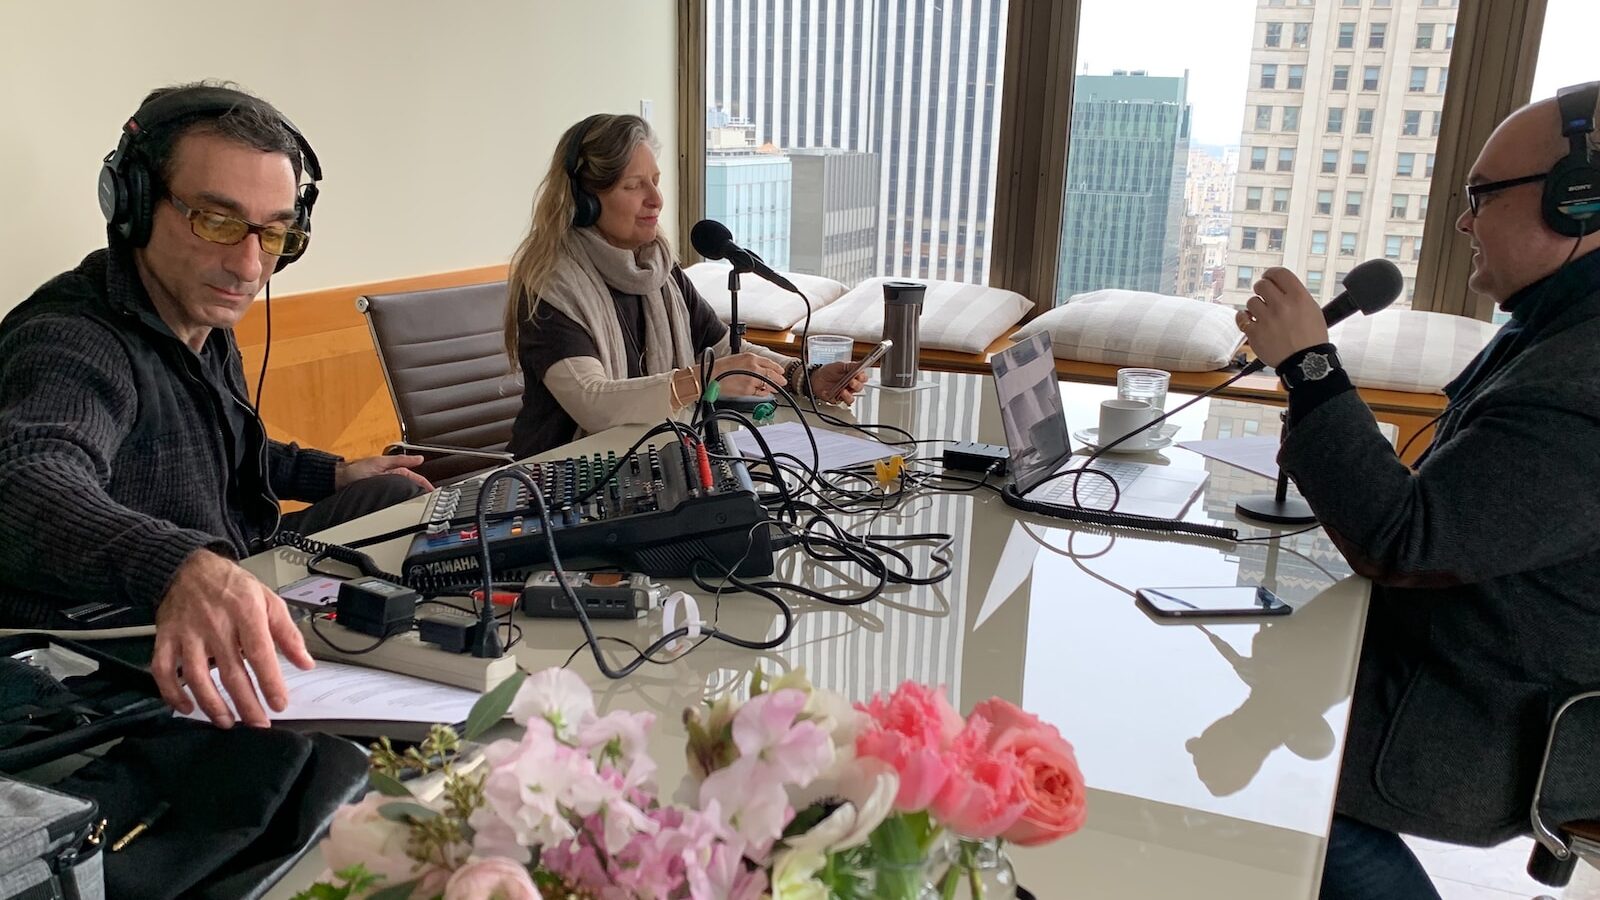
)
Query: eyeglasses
[
  {"x": 1476, "y": 192},
  {"x": 278, "y": 240}
]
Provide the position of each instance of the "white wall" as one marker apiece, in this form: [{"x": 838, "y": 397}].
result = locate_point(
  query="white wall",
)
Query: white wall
[{"x": 434, "y": 121}]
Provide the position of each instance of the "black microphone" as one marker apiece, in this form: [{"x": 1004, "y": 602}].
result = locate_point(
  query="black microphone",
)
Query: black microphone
[
  {"x": 713, "y": 240},
  {"x": 1369, "y": 287}
]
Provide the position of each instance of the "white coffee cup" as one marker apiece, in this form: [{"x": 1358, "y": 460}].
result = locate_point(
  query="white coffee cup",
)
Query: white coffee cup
[{"x": 1120, "y": 417}]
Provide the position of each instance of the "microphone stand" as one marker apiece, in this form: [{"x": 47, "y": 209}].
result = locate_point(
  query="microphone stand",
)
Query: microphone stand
[
  {"x": 1277, "y": 507},
  {"x": 735, "y": 342}
]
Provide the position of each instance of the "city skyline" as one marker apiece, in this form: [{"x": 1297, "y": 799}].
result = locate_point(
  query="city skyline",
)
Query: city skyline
[{"x": 915, "y": 84}]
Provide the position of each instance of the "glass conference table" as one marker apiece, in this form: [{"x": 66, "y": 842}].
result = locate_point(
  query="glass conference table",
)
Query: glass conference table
[{"x": 1211, "y": 752}]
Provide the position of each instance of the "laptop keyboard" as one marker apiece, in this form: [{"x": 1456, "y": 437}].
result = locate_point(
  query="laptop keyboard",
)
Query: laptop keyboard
[{"x": 1094, "y": 492}]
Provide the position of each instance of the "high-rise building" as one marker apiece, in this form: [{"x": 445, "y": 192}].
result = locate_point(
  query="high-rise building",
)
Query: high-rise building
[
  {"x": 1123, "y": 216},
  {"x": 833, "y": 229},
  {"x": 749, "y": 189},
  {"x": 1336, "y": 154},
  {"x": 914, "y": 82}
]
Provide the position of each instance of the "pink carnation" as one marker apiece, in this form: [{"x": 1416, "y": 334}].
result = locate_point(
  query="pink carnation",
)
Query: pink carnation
[
  {"x": 483, "y": 879},
  {"x": 983, "y": 795},
  {"x": 911, "y": 730}
]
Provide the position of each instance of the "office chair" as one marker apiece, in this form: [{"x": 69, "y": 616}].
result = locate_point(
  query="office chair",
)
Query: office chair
[
  {"x": 443, "y": 359},
  {"x": 1569, "y": 753}
]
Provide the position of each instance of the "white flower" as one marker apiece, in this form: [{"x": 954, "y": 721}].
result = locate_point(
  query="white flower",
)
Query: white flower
[
  {"x": 866, "y": 789},
  {"x": 792, "y": 879},
  {"x": 559, "y": 697}
]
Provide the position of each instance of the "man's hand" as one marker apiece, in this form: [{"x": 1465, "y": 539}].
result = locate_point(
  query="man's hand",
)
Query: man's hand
[
  {"x": 829, "y": 378},
  {"x": 744, "y": 385},
  {"x": 215, "y": 610},
  {"x": 348, "y": 473},
  {"x": 1281, "y": 318}
]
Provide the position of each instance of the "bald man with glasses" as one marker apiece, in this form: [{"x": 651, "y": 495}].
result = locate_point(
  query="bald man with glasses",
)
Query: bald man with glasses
[{"x": 134, "y": 469}]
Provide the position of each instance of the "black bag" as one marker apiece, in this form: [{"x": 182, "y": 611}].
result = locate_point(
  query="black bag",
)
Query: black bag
[
  {"x": 58, "y": 697},
  {"x": 242, "y": 805}
]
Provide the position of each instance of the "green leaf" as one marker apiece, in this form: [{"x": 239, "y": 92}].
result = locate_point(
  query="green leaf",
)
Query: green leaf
[
  {"x": 492, "y": 706},
  {"x": 407, "y": 812},
  {"x": 397, "y": 892},
  {"x": 387, "y": 785},
  {"x": 323, "y": 891}
]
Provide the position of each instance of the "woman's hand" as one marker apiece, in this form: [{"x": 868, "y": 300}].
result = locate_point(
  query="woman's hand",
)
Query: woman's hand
[
  {"x": 831, "y": 377},
  {"x": 745, "y": 385}
]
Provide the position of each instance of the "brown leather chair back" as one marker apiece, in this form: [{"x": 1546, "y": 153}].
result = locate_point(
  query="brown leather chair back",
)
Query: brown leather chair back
[{"x": 442, "y": 352}]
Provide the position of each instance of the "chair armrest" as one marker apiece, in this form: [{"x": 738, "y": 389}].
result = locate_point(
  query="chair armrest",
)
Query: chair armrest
[
  {"x": 442, "y": 450},
  {"x": 1552, "y": 839}
]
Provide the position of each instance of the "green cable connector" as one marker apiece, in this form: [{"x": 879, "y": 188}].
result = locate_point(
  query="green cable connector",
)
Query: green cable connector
[
  {"x": 764, "y": 412},
  {"x": 713, "y": 391}
]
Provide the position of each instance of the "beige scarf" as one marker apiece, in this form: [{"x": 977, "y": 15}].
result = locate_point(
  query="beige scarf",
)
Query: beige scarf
[{"x": 580, "y": 288}]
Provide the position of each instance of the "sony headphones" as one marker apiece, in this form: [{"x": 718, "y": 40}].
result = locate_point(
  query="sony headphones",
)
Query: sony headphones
[
  {"x": 129, "y": 190},
  {"x": 1572, "y": 189},
  {"x": 585, "y": 205}
]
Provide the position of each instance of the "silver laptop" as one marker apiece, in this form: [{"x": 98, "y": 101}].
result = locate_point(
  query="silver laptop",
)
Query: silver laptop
[{"x": 1036, "y": 433}]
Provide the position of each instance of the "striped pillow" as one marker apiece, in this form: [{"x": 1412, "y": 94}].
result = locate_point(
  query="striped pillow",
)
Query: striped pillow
[
  {"x": 762, "y": 304},
  {"x": 1408, "y": 349},
  {"x": 965, "y": 318},
  {"x": 1135, "y": 328}
]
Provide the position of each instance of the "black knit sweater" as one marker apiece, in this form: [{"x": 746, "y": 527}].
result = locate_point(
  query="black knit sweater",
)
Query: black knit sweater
[{"x": 114, "y": 467}]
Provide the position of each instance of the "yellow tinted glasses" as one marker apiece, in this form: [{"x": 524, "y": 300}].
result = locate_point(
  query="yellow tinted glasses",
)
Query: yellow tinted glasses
[{"x": 278, "y": 240}]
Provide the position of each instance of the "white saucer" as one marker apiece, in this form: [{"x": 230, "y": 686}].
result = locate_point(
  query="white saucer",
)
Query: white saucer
[{"x": 1091, "y": 436}]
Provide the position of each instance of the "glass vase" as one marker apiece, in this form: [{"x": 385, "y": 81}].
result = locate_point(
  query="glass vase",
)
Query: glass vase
[{"x": 976, "y": 870}]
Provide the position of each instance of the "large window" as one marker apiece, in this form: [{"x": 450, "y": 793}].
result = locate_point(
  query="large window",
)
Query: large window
[
  {"x": 851, "y": 140},
  {"x": 883, "y": 121}
]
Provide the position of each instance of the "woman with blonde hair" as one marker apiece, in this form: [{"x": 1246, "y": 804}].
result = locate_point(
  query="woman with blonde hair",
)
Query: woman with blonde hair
[{"x": 603, "y": 323}]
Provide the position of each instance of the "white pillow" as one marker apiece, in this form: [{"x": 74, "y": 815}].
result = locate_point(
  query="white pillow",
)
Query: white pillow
[
  {"x": 1136, "y": 328},
  {"x": 762, "y": 304},
  {"x": 966, "y": 318},
  {"x": 1408, "y": 349}
]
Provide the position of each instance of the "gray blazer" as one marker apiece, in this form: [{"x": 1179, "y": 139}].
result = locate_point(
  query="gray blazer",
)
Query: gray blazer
[{"x": 1486, "y": 559}]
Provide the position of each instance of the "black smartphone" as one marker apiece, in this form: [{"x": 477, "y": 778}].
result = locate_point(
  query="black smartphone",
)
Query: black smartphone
[
  {"x": 1211, "y": 602},
  {"x": 866, "y": 361}
]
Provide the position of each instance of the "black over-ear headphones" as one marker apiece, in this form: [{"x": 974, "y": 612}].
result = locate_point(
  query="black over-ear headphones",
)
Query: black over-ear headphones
[
  {"x": 585, "y": 205},
  {"x": 1572, "y": 189},
  {"x": 129, "y": 190}
]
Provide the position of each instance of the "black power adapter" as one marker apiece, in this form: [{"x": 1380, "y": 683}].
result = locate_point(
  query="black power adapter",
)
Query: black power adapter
[
  {"x": 376, "y": 607},
  {"x": 970, "y": 456}
]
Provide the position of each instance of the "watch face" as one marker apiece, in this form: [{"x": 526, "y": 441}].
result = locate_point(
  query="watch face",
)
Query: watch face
[{"x": 1315, "y": 366}]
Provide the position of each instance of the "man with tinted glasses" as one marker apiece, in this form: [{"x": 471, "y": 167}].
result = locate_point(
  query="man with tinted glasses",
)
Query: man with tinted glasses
[
  {"x": 1485, "y": 556},
  {"x": 133, "y": 469}
]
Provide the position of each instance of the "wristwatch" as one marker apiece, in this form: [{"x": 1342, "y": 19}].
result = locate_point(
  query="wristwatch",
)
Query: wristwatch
[{"x": 1314, "y": 364}]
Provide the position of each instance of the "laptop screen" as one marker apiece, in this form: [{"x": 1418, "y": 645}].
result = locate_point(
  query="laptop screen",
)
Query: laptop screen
[{"x": 1030, "y": 410}]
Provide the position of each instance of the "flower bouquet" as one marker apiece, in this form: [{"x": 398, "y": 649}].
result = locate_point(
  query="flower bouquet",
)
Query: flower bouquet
[{"x": 793, "y": 794}]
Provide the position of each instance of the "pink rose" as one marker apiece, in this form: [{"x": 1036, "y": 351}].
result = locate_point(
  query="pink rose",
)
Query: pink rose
[
  {"x": 358, "y": 833},
  {"x": 495, "y": 878},
  {"x": 1051, "y": 783}
]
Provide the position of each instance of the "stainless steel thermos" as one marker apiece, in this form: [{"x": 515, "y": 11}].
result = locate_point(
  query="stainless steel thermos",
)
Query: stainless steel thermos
[{"x": 902, "y": 318}]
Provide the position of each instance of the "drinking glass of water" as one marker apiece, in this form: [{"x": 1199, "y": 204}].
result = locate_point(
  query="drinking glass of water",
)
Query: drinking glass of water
[{"x": 1149, "y": 385}]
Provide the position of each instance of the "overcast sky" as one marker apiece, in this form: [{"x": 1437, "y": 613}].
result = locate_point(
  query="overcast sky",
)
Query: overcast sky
[{"x": 1212, "y": 40}]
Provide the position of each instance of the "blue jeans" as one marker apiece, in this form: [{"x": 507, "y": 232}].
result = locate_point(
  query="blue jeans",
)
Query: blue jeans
[{"x": 1367, "y": 863}]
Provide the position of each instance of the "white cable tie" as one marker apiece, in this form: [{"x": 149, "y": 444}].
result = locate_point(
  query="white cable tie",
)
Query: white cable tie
[{"x": 669, "y": 616}]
